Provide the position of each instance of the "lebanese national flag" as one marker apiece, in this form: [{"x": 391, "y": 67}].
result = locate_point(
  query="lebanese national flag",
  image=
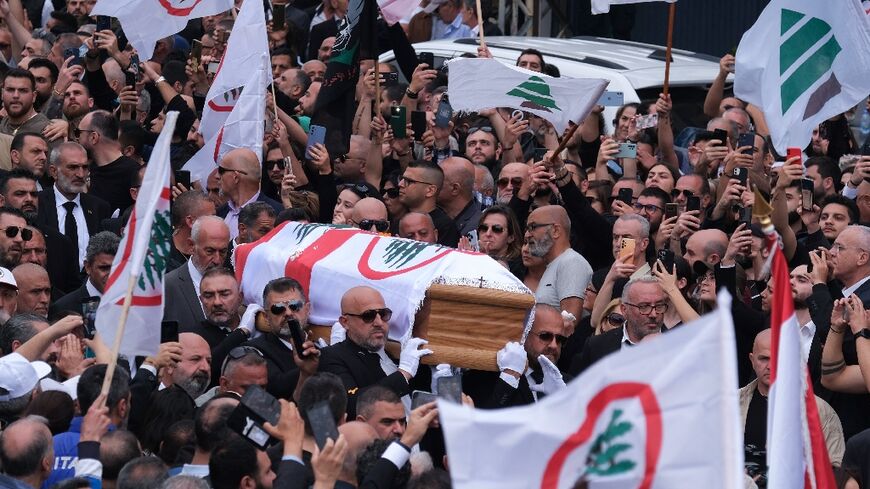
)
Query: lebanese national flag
[
  {"x": 246, "y": 46},
  {"x": 147, "y": 21},
  {"x": 141, "y": 259},
  {"x": 660, "y": 415},
  {"x": 242, "y": 129},
  {"x": 797, "y": 456}
]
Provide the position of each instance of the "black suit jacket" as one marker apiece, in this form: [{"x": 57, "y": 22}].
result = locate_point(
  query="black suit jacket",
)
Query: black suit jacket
[
  {"x": 94, "y": 208},
  {"x": 62, "y": 264},
  {"x": 283, "y": 374},
  {"x": 70, "y": 302},
  {"x": 182, "y": 303},
  {"x": 596, "y": 348},
  {"x": 490, "y": 392},
  {"x": 225, "y": 209},
  {"x": 327, "y": 28},
  {"x": 357, "y": 371}
]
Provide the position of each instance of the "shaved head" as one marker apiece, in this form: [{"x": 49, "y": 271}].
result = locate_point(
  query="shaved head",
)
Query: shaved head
[{"x": 369, "y": 208}]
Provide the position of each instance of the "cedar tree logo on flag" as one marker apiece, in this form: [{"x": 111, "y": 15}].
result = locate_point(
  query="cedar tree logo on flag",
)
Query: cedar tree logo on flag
[
  {"x": 605, "y": 449},
  {"x": 536, "y": 94},
  {"x": 799, "y": 36},
  {"x": 175, "y": 7},
  {"x": 158, "y": 251}
]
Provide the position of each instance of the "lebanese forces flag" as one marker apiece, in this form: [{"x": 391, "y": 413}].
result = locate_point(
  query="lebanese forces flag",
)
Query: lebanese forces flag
[
  {"x": 242, "y": 129},
  {"x": 603, "y": 6},
  {"x": 663, "y": 414},
  {"x": 245, "y": 47},
  {"x": 139, "y": 265},
  {"x": 796, "y": 452},
  {"x": 147, "y": 21}
]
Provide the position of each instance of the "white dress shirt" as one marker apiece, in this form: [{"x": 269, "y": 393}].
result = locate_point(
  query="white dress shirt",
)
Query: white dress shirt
[
  {"x": 78, "y": 215},
  {"x": 851, "y": 290},
  {"x": 232, "y": 219},
  {"x": 196, "y": 278}
]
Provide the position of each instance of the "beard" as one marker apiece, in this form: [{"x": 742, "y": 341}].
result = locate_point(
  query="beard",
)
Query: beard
[
  {"x": 195, "y": 385},
  {"x": 540, "y": 247}
]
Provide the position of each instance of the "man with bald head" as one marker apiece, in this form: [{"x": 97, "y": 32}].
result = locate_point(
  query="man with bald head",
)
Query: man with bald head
[
  {"x": 27, "y": 454},
  {"x": 563, "y": 285},
  {"x": 34, "y": 289},
  {"x": 240, "y": 174},
  {"x": 358, "y": 435},
  {"x": 370, "y": 214},
  {"x": 419, "y": 227},
  {"x": 209, "y": 243},
  {"x": 192, "y": 373},
  {"x": 457, "y": 194},
  {"x": 511, "y": 177},
  {"x": 315, "y": 69},
  {"x": 707, "y": 246},
  {"x": 352, "y": 168},
  {"x": 360, "y": 360}
]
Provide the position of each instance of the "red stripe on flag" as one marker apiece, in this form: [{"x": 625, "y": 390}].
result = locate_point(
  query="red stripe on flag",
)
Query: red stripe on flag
[
  {"x": 128, "y": 250},
  {"x": 300, "y": 269},
  {"x": 220, "y": 108},
  {"x": 242, "y": 251},
  {"x": 822, "y": 472}
]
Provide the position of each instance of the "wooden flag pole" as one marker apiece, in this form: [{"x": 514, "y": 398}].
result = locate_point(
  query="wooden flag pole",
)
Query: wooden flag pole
[
  {"x": 480, "y": 25},
  {"x": 116, "y": 347},
  {"x": 274, "y": 102},
  {"x": 671, "y": 13},
  {"x": 564, "y": 143}
]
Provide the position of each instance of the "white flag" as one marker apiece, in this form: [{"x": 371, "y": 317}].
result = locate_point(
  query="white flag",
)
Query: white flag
[
  {"x": 246, "y": 47},
  {"x": 803, "y": 62},
  {"x": 484, "y": 83},
  {"x": 663, "y": 414},
  {"x": 395, "y": 10},
  {"x": 147, "y": 21},
  {"x": 242, "y": 129},
  {"x": 142, "y": 255},
  {"x": 603, "y": 6}
]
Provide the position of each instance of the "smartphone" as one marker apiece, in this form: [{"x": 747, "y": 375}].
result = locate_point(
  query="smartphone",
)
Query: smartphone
[
  {"x": 741, "y": 174},
  {"x": 418, "y": 124},
  {"x": 399, "y": 121},
  {"x": 444, "y": 113},
  {"x": 297, "y": 334},
  {"x": 627, "y": 150},
  {"x": 168, "y": 331},
  {"x": 693, "y": 203},
  {"x": 539, "y": 153},
  {"x": 419, "y": 398},
  {"x": 450, "y": 388},
  {"x": 428, "y": 58},
  {"x": 626, "y": 248},
  {"x": 322, "y": 423},
  {"x": 794, "y": 152},
  {"x": 75, "y": 54},
  {"x": 279, "y": 16},
  {"x": 104, "y": 23},
  {"x": 626, "y": 195},
  {"x": 721, "y": 135},
  {"x": 807, "y": 191},
  {"x": 196, "y": 53},
  {"x": 134, "y": 67},
  {"x": 746, "y": 216},
  {"x": 130, "y": 79},
  {"x": 316, "y": 135},
  {"x": 612, "y": 99},
  {"x": 213, "y": 67},
  {"x": 666, "y": 256},
  {"x": 255, "y": 408},
  {"x": 390, "y": 79},
  {"x": 747, "y": 139},
  {"x": 672, "y": 210},
  {"x": 183, "y": 177},
  {"x": 89, "y": 316}
]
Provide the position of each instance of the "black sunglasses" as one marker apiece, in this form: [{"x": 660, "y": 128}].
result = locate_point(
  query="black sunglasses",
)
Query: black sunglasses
[
  {"x": 12, "y": 231},
  {"x": 279, "y": 307},
  {"x": 517, "y": 182},
  {"x": 221, "y": 170},
  {"x": 496, "y": 228},
  {"x": 615, "y": 319},
  {"x": 547, "y": 337},
  {"x": 369, "y": 316},
  {"x": 391, "y": 192},
  {"x": 272, "y": 163},
  {"x": 686, "y": 193},
  {"x": 380, "y": 225}
]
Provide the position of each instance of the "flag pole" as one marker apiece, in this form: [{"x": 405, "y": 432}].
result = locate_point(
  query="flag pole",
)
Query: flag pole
[
  {"x": 274, "y": 101},
  {"x": 564, "y": 143},
  {"x": 480, "y": 25},
  {"x": 672, "y": 10},
  {"x": 119, "y": 334}
]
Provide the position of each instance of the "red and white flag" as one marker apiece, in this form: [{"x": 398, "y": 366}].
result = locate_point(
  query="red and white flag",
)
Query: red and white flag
[
  {"x": 797, "y": 456},
  {"x": 142, "y": 256},
  {"x": 603, "y": 6},
  {"x": 246, "y": 47},
  {"x": 147, "y": 21},
  {"x": 242, "y": 129}
]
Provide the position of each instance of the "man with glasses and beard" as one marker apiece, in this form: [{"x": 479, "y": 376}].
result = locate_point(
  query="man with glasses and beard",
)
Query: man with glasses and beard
[
  {"x": 285, "y": 307},
  {"x": 360, "y": 360}
]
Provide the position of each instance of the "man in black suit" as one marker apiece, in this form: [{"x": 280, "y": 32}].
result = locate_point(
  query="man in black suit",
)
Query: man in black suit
[
  {"x": 324, "y": 29},
  {"x": 285, "y": 302},
  {"x": 360, "y": 360},
  {"x": 644, "y": 304},
  {"x": 99, "y": 255},
  {"x": 240, "y": 176},
  {"x": 210, "y": 238},
  {"x": 68, "y": 165}
]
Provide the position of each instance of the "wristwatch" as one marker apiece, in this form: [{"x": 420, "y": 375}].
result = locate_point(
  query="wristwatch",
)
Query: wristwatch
[{"x": 864, "y": 333}]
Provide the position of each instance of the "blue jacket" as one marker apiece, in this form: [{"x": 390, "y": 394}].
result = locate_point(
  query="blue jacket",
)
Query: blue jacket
[{"x": 66, "y": 453}]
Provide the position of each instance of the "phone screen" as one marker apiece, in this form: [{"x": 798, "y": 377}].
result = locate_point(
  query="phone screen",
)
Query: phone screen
[
  {"x": 316, "y": 135},
  {"x": 89, "y": 316},
  {"x": 418, "y": 124},
  {"x": 807, "y": 188},
  {"x": 419, "y": 398},
  {"x": 444, "y": 114},
  {"x": 450, "y": 388},
  {"x": 322, "y": 423}
]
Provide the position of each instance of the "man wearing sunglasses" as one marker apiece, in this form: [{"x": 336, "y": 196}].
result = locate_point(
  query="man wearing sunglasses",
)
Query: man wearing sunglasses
[
  {"x": 360, "y": 360},
  {"x": 240, "y": 174},
  {"x": 370, "y": 214},
  {"x": 284, "y": 302}
]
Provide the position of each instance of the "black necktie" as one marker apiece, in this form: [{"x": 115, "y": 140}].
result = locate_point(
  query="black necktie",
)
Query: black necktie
[{"x": 70, "y": 228}]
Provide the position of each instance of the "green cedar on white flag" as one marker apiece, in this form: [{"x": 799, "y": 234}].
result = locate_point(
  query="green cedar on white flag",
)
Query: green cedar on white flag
[
  {"x": 803, "y": 62},
  {"x": 484, "y": 83},
  {"x": 603, "y": 6}
]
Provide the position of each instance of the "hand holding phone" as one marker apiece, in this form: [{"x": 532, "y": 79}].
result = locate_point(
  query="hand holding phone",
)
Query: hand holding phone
[{"x": 316, "y": 135}]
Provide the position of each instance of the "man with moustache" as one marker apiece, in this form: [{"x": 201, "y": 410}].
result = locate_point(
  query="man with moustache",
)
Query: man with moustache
[
  {"x": 19, "y": 95},
  {"x": 111, "y": 172},
  {"x": 12, "y": 239},
  {"x": 77, "y": 102},
  {"x": 29, "y": 151}
]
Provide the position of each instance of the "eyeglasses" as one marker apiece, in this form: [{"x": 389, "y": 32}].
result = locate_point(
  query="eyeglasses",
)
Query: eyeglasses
[
  {"x": 615, "y": 319},
  {"x": 369, "y": 316},
  {"x": 496, "y": 228},
  {"x": 649, "y": 208},
  {"x": 532, "y": 226},
  {"x": 411, "y": 181},
  {"x": 273, "y": 163},
  {"x": 515, "y": 182},
  {"x": 839, "y": 248},
  {"x": 278, "y": 308},
  {"x": 686, "y": 193},
  {"x": 12, "y": 231},
  {"x": 547, "y": 337},
  {"x": 379, "y": 224},
  {"x": 239, "y": 352},
  {"x": 390, "y": 192},
  {"x": 222, "y": 170},
  {"x": 648, "y": 308},
  {"x": 78, "y": 132}
]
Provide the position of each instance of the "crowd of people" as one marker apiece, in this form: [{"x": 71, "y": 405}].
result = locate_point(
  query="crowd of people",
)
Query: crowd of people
[{"x": 617, "y": 250}]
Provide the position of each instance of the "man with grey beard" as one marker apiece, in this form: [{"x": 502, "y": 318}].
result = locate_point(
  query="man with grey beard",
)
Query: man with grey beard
[
  {"x": 563, "y": 285},
  {"x": 193, "y": 372}
]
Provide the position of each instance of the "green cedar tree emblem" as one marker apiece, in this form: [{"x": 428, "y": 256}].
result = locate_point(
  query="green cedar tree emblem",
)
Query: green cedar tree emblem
[
  {"x": 807, "y": 71},
  {"x": 399, "y": 252},
  {"x": 603, "y": 454},
  {"x": 536, "y": 94},
  {"x": 158, "y": 250}
]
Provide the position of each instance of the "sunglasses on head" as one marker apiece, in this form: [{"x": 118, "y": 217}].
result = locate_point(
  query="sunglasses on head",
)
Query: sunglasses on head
[
  {"x": 239, "y": 352},
  {"x": 615, "y": 319},
  {"x": 12, "y": 231},
  {"x": 547, "y": 337},
  {"x": 380, "y": 225},
  {"x": 273, "y": 163},
  {"x": 369, "y": 315},
  {"x": 480, "y": 128},
  {"x": 279, "y": 307},
  {"x": 496, "y": 228},
  {"x": 362, "y": 190},
  {"x": 516, "y": 182},
  {"x": 391, "y": 192}
]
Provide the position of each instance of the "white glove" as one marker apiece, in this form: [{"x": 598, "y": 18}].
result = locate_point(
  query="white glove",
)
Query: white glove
[
  {"x": 337, "y": 334},
  {"x": 321, "y": 343},
  {"x": 552, "y": 378},
  {"x": 442, "y": 370},
  {"x": 249, "y": 320},
  {"x": 409, "y": 360},
  {"x": 512, "y": 356}
]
